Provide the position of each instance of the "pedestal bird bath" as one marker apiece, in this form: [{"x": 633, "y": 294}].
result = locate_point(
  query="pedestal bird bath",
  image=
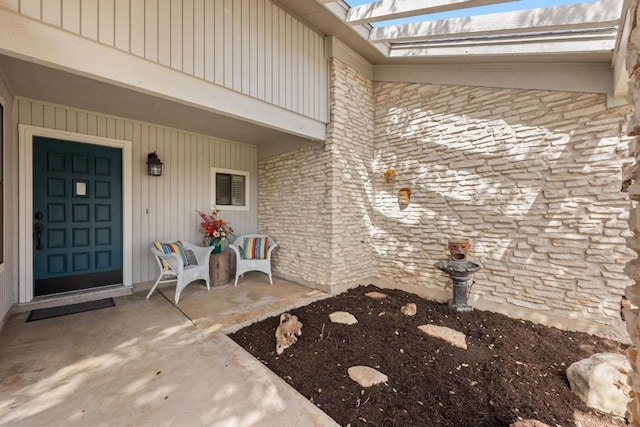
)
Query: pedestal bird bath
[{"x": 460, "y": 270}]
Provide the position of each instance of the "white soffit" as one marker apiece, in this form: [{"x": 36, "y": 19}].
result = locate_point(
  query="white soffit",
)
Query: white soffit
[{"x": 590, "y": 27}]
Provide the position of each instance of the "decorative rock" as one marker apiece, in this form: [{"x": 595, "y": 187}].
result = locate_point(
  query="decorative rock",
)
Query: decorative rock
[
  {"x": 343, "y": 317},
  {"x": 287, "y": 332},
  {"x": 529, "y": 423},
  {"x": 452, "y": 336},
  {"x": 409, "y": 309},
  {"x": 601, "y": 382},
  {"x": 366, "y": 376},
  {"x": 376, "y": 295}
]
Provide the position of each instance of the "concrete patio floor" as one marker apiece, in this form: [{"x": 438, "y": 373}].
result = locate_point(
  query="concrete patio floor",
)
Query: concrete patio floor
[{"x": 147, "y": 362}]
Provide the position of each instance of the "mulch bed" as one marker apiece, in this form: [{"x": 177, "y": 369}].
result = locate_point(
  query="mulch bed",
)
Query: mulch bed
[{"x": 511, "y": 369}]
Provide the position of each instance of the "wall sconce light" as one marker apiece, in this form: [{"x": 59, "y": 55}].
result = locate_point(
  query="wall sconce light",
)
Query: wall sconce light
[
  {"x": 390, "y": 176},
  {"x": 154, "y": 165},
  {"x": 404, "y": 197}
]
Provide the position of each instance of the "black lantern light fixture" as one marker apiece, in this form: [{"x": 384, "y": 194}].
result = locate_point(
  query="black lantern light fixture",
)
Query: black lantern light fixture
[{"x": 154, "y": 165}]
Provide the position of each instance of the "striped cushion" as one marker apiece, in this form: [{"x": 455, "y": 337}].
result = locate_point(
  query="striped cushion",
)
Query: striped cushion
[
  {"x": 255, "y": 248},
  {"x": 169, "y": 248}
]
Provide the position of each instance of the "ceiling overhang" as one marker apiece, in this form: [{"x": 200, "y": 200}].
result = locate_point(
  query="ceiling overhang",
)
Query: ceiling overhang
[
  {"x": 589, "y": 36},
  {"x": 29, "y": 80},
  {"x": 51, "y": 71},
  {"x": 583, "y": 32}
]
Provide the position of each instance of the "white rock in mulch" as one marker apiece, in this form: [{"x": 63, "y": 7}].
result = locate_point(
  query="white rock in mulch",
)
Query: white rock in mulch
[
  {"x": 601, "y": 382},
  {"x": 343, "y": 317},
  {"x": 287, "y": 332},
  {"x": 409, "y": 309},
  {"x": 376, "y": 295},
  {"x": 452, "y": 336},
  {"x": 529, "y": 423},
  {"x": 366, "y": 376}
]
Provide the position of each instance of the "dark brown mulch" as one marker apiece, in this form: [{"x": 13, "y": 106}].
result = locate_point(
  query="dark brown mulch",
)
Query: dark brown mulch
[{"x": 511, "y": 368}]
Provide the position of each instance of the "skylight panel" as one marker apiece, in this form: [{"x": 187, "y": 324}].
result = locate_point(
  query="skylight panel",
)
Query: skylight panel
[
  {"x": 449, "y": 28},
  {"x": 506, "y": 6},
  {"x": 558, "y": 18}
]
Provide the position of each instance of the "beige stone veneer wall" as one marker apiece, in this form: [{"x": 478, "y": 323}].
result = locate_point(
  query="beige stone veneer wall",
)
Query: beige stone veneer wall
[
  {"x": 316, "y": 201},
  {"x": 532, "y": 178},
  {"x": 632, "y": 315}
]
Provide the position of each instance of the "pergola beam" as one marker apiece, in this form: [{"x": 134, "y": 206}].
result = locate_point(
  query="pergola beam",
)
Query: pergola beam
[
  {"x": 538, "y": 45},
  {"x": 583, "y": 16},
  {"x": 392, "y": 9}
]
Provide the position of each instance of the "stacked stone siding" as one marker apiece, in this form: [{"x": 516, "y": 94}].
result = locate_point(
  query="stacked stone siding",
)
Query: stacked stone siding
[
  {"x": 632, "y": 314},
  {"x": 316, "y": 201},
  {"x": 350, "y": 136},
  {"x": 532, "y": 178},
  {"x": 294, "y": 208}
]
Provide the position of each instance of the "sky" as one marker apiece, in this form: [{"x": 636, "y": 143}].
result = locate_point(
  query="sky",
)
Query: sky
[{"x": 502, "y": 7}]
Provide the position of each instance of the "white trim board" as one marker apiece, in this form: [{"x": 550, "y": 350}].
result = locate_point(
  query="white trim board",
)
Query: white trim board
[
  {"x": 25, "y": 201},
  {"x": 569, "y": 77},
  {"x": 339, "y": 50},
  {"x": 3, "y": 203}
]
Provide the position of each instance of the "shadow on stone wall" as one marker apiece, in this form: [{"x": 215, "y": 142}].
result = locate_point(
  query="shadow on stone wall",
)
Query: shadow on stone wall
[{"x": 533, "y": 178}]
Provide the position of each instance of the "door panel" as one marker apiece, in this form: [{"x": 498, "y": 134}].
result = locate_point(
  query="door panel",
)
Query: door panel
[{"x": 77, "y": 207}]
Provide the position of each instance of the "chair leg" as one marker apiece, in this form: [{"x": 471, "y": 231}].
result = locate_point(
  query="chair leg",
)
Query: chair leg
[
  {"x": 179, "y": 287},
  {"x": 208, "y": 285},
  {"x": 155, "y": 285},
  {"x": 236, "y": 283},
  {"x": 270, "y": 279}
]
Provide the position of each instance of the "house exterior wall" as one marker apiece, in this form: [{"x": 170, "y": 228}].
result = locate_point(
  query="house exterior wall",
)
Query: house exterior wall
[
  {"x": 250, "y": 46},
  {"x": 9, "y": 157},
  {"x": 532, "y": 178},
  {"x": 163, "y": 207},
  {"x": 632, "y": 314},
  {"x": 349, "y": 137},
  {"x": 316, "y": 201},
  {"x": 294, "y": 208}
]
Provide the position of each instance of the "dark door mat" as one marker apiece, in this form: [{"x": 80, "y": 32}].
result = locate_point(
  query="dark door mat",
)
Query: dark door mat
[{"x": 48, "y": 313}]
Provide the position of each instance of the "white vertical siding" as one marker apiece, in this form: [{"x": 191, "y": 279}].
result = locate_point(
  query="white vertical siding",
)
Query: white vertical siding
[
  {"x": 121, "y": 25},
  {"x": 163, "y": 207},
  {"x": 251, "y": 46},
  {"x": 9, "y": 268},
  {"x": 151, "y": 30}
]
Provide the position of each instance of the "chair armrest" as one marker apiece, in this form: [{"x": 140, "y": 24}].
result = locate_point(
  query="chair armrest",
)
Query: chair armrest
[
  {"x": 235, "y": 249},
  {"x": 174, "y": 260},
  {"x": 201, "y": 252},
  {"x": 271, "y": 247}
]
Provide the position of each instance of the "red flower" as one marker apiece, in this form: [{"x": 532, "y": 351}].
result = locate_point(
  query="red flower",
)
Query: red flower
[{"x": 215, "y": 228}]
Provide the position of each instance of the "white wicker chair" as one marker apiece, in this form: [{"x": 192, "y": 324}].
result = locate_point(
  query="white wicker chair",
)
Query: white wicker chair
[
  {"x": 244, "y": 265},
  {"x": 180, "y": 274}
]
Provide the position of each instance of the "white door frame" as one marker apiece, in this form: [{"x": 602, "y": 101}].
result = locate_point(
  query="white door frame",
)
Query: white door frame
[{"x": 25, "y": 201}]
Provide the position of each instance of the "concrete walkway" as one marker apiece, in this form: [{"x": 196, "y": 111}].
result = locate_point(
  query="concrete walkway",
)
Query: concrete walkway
[{"x": 146, "y": 362}]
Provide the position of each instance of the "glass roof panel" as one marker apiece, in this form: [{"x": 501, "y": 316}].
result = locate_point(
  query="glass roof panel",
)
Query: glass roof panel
[
  {"x": 486, "y": 28},
  {"x": 509, "y": 6}
]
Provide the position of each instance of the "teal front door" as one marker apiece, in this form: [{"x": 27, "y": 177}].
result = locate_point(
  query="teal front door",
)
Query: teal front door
[{"x": 77, "y": 216}]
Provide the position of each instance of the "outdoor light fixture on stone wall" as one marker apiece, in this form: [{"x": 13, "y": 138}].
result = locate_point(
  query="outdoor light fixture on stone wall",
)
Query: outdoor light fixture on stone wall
[
  {"x": 404, "y": 197},
  {"x": 390, "y": 176},
  {"x": 154, "y": 165}
]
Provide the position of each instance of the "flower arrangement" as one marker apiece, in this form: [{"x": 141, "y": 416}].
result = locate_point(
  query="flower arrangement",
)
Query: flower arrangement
[{"x": 215, "y": 230}]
